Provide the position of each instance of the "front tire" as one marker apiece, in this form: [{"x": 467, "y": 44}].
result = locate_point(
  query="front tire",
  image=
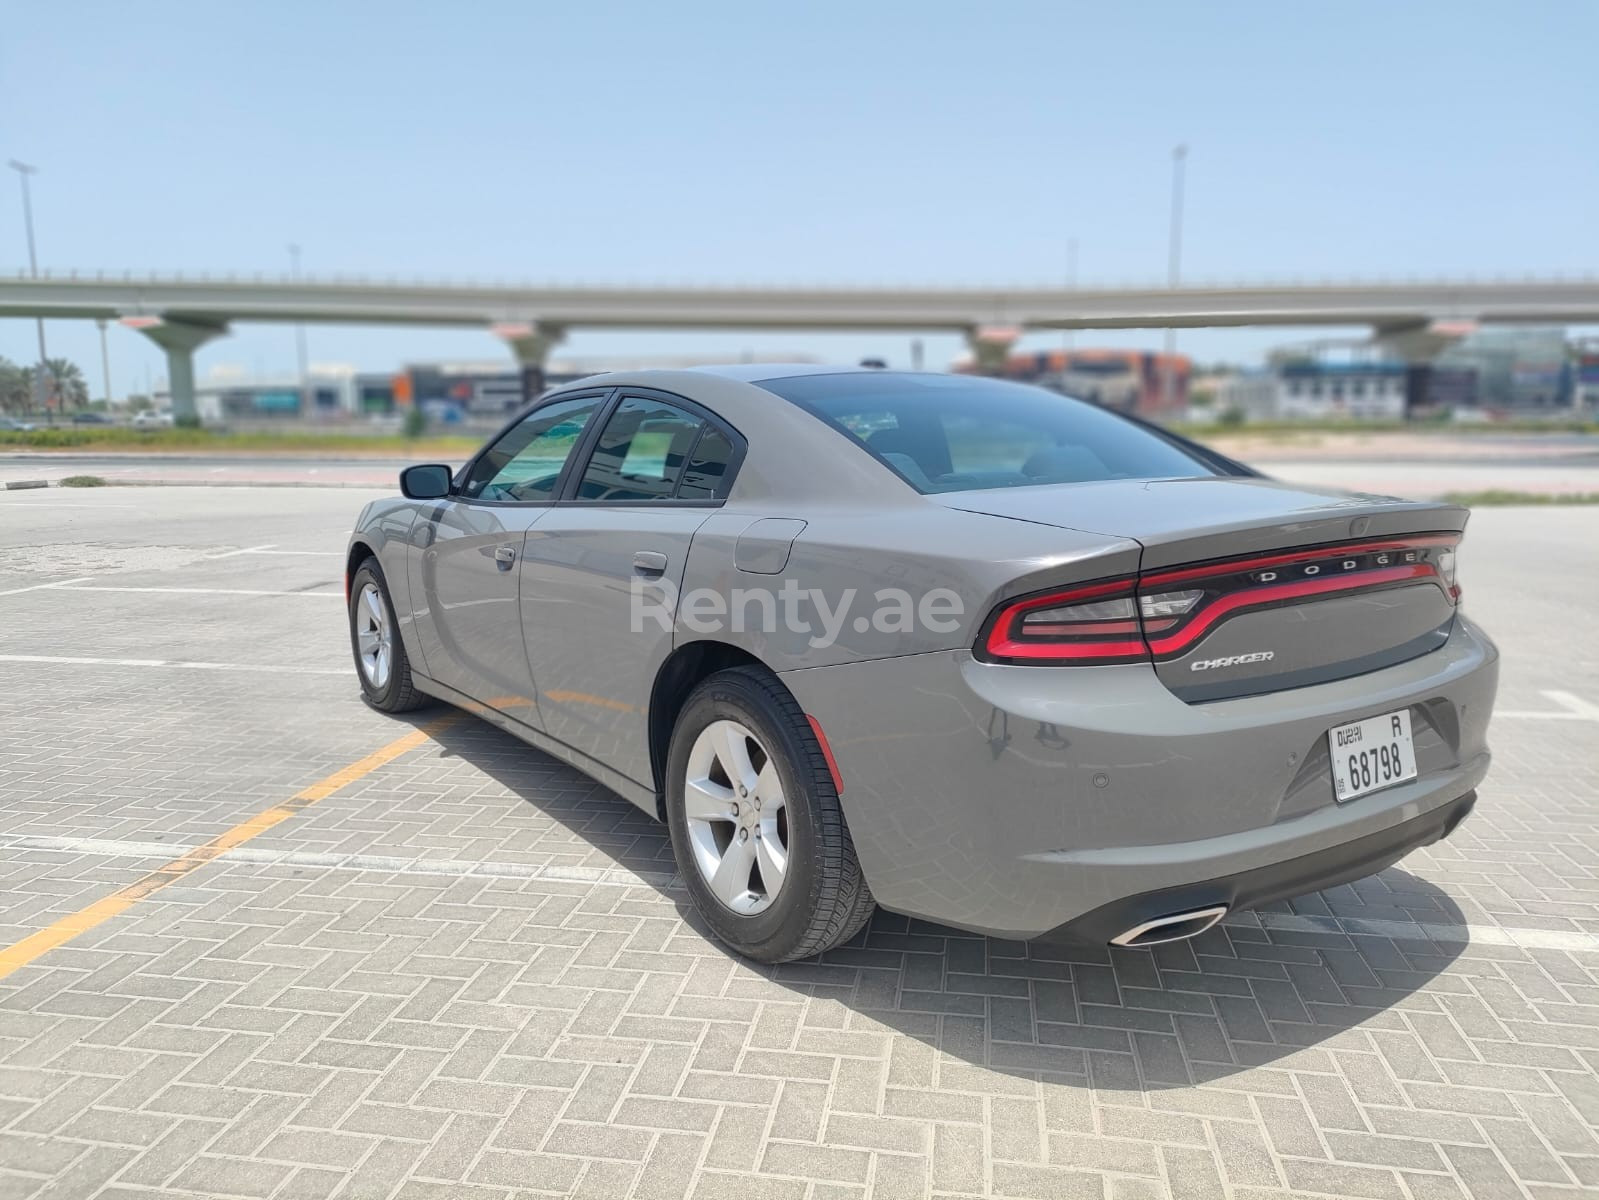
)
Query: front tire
[
  {"x": 757, "y": 830},
  {"x": 380, "y": 661}
]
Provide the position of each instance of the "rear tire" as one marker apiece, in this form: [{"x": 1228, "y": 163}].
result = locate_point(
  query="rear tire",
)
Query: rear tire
[
  {"x": 380, "y": 660},
  {"x": 771, "y": 868}
]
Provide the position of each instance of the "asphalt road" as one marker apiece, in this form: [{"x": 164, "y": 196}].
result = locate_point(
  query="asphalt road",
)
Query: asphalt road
[{"x": 259, "y": 940}]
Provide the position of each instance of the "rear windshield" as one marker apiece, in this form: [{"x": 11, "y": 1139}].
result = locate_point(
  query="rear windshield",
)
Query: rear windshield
[{"x": 959, "y": 433}]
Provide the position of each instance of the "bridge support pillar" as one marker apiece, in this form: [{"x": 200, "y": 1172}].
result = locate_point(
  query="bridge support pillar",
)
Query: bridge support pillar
[
  {"x": 531, "y": 342},
  {"x": 1419, "y": 344},
  {"x": 991, "y": 346},
  {"x": 180, "y": 339}
]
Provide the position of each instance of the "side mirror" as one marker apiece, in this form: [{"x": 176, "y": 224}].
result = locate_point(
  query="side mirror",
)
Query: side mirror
[{"x": 430, "y": 482}]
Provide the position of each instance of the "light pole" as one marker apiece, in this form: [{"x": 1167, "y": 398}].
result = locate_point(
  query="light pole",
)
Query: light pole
[
  {"x": 40, "y": 395},
  {"x": 105, "y": 361},
  {"x": 1174, "y": 265},
  {"x": 1071, "y": 284},
  {"x": 299, "y": 336}
]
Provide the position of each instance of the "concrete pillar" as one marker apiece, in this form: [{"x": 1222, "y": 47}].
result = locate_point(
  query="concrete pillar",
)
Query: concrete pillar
[
  {"x": 180, "y": 339},
  {"x": 991, "y": 346},
  {"x": 531, "y": 342},
  {"x": 1419, "y": 344}
]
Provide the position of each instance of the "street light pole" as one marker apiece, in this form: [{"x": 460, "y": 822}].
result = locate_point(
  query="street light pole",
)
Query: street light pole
[
  {"x": 299, "y": 338},
  {"x": 1174, "y": 264},
  {"x": 105, "y": 361},
  {"x": 1071, "y": 283},
  {"x": 40, "y": 395}
]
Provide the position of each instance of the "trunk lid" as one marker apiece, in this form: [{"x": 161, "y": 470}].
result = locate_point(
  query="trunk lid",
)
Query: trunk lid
[{"x": 1285, "y": 586}]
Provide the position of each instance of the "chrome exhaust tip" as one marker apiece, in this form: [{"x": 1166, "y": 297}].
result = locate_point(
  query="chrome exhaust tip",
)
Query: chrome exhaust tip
[{"x": 1175, "y": 928}]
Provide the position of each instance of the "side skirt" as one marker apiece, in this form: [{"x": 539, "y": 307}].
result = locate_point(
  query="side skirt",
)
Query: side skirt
[{"x": 636, "y": 794}]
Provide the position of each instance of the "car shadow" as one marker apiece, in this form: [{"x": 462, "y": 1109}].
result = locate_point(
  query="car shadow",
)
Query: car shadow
[{"x": 1246, "y": 993}]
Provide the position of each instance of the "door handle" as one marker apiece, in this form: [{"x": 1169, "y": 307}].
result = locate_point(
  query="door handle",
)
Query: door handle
[
  {"x": 649, "y": 562},
  {"x": 504, "y": 557}
]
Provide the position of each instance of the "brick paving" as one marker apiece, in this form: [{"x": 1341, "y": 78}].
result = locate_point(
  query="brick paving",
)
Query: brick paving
[{"x": 471, "y": 974}]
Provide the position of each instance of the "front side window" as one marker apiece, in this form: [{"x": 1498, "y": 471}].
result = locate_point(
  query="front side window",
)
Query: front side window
[
  {"x": 525, "y": 464},
  {"x": 641, "y": 452},
  {"x": 952, "y": 433}
]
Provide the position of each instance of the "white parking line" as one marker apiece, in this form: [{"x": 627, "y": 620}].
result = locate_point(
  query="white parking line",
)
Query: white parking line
[
  {"x": 311, "y": 553},
  {"x": 39, "y": 587},
  {"x": 195, "y": 591},
  {"x": 1573, "y": 708},
  {"x": 231, "y": 553},
  {"x": 602, "y": 876},
  {"x": 180, "y": 664},
  {"x": 1421, "y": 931}
]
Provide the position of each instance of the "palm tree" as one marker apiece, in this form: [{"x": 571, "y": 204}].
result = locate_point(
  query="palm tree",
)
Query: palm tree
[{"x": 64, "y": 380}]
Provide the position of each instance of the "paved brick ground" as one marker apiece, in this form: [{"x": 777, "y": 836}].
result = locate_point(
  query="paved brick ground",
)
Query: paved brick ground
[{"x": 469, "y": 974}]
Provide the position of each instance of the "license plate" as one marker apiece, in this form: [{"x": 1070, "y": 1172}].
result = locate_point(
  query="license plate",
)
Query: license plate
[{"x": 1371, "y": 754}]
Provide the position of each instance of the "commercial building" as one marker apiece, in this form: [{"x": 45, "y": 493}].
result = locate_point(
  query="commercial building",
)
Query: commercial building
[
  {"x": 1132, "y": 381},
  {"x": 1490, "y": 373}
]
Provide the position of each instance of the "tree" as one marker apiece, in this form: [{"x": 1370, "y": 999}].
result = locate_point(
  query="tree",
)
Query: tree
[
  {"x": 14, "y": 387},
  {"x": 64, "y": 380}
]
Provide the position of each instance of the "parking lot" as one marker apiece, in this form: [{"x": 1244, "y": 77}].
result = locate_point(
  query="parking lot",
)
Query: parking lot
[{"x": 259, "y": 940}]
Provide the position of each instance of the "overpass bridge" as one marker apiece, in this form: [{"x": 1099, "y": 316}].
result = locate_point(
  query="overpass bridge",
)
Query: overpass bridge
[{"x": 181, "y": 313}]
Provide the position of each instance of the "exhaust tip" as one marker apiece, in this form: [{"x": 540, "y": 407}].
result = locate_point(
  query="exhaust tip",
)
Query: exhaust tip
[{"x": 1174, "y": 928}]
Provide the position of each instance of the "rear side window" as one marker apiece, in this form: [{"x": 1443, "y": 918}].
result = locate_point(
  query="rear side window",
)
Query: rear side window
[
  {"x": 706, "y": 476},
  {"x": 953, "y": 433},
  {"x": 651, "y": 450}
]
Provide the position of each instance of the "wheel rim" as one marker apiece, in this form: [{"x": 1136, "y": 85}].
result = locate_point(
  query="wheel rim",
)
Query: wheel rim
[
  {"x": 374, "y": 639},
  {"x": 737, "y": 817}
]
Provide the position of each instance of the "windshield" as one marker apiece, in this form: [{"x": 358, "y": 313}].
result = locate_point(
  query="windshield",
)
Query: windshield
[{"x": 956, "y": 433}]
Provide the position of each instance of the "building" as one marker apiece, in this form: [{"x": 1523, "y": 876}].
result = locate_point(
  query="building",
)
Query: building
[
  {"x": 1492, "y": 372},
  {"x": 1517, "y": 370},
  {"x": 1132, "y": 381}
]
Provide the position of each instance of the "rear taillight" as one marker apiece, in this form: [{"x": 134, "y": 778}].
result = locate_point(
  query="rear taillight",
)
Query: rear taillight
[
  {"x": 1094, "y": 623},
  {"x": 1163, "y": 614}
]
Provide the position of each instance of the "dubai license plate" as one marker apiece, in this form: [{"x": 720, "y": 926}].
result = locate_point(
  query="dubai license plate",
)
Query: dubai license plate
[{"x": 1371, "y": 754}]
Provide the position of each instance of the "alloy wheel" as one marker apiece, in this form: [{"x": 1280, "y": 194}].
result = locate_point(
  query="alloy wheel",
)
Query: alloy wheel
[
  {"x": 374, "y": 637},
  {"x": 737, "y": 817}
]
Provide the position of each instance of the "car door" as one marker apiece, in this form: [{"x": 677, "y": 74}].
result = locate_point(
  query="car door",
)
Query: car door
[
  {"x": 601, "y": 572},
  {"x": 468, "y": 549}
]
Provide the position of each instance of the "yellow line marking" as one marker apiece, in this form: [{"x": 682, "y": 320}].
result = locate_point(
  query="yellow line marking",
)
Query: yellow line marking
[{"x": 68, "y": 927}]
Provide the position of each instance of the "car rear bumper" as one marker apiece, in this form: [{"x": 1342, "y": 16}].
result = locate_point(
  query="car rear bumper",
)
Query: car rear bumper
[
  {"x": 1019, "y": 801},
  {"x": 1250, "y": 888}
]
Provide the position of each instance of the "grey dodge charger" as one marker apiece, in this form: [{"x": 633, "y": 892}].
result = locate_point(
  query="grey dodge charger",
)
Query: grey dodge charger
[{"x": 970, "y": 650}]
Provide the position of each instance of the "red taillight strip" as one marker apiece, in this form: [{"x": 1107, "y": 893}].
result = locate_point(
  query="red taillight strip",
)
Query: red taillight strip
[
  {"x": 1255, "y": 597},
  {"x": 1265, "y": 561},
  {"x": 1003, "y": 640},
  {"x": 1085, "y": 651}
]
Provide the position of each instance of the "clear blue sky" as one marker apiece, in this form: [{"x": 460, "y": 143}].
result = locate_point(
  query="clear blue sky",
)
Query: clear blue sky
[{"x": 820, "y": 142}]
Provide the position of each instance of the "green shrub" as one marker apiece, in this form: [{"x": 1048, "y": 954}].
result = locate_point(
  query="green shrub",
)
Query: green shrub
[{"x": 416, "y": 423}]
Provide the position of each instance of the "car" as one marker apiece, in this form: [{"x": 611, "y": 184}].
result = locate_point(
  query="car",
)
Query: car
[
  {"x": 91, "y": 418},
  {"x": 12, "y": 425},
  {"x": 151, "y": 419},
  {"x": 973, "y": 651}
]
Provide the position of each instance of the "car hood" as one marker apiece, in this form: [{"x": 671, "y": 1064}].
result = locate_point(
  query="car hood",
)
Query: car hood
[{"x": 1187, "y": 520}]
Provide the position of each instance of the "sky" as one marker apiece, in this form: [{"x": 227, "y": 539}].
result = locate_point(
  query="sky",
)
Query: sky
[{"x": 819, "y": 143}]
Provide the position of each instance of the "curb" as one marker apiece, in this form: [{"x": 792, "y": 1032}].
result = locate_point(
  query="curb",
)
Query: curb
[{"x": 18, "y": 485}]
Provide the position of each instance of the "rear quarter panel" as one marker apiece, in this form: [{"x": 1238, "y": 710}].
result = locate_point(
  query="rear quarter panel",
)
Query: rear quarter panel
[{"x": 866, "y": 561}]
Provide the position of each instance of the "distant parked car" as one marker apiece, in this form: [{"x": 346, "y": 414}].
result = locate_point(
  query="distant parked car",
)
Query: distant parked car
[
  {"x": 12, "y": 425},
  {"x": 91, "y": 418},
  {"x": 150, "y": 419}
]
